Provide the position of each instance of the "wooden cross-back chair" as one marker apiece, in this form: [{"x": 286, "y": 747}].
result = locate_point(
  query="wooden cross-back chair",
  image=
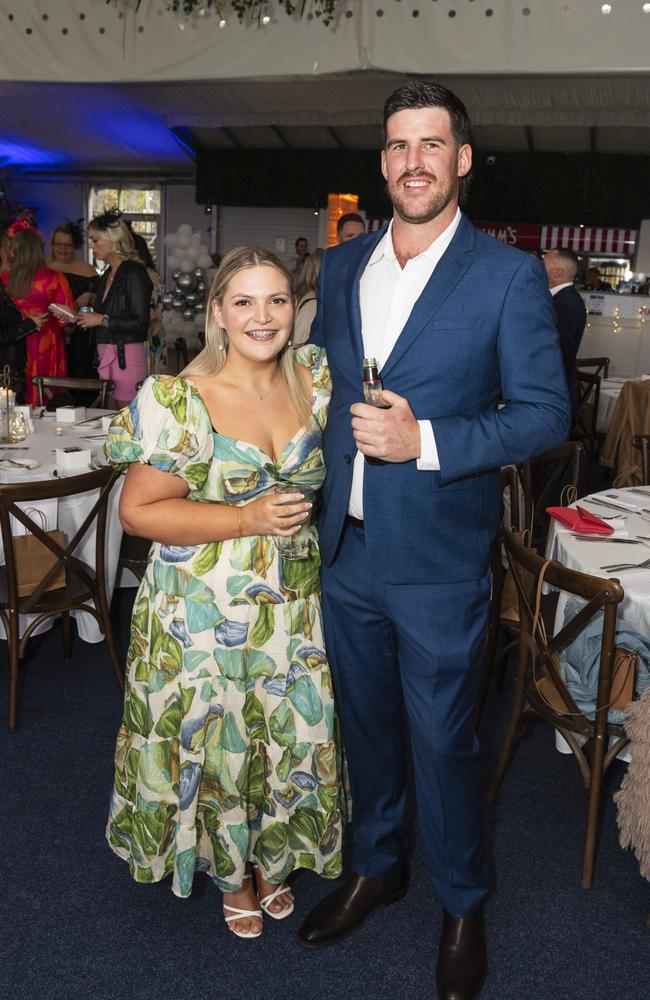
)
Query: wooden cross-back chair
[
  {"x": 512, "y": 511},
  {"x": 85, "y": 585},
  {"x": 548, "y": 479},
  {"x": 600, "y": 365},
  {"x": 539, "y": 688},
  {"x": 533, "y": 486},
  {"x": 585, "y": 422},
  {"x": 102, "y": 387}
]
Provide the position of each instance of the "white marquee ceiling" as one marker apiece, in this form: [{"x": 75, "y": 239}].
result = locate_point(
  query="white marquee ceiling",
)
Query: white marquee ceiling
[{"x": 560, "y": 77}]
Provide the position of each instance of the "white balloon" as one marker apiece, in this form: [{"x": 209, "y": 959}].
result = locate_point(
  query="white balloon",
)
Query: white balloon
[
  {"x": 170, "y": 240},
  {"x": 204, "y": 250},
  {"x": 187, "y": 264},
  {"x": 182, "y": 242},
  {"x": 196, "y": 239},
  {"x": 193, "y": 253},
  {"x": 173, "y": 262},
  {"x": 184, "y": 230},
  {"x": 205, "y": 260}
]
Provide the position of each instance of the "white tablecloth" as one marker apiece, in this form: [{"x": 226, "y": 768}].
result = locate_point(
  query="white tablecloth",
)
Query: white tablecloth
[
  {"x": 610, "y": 390},
  {"x": 589, "y": 557},
  {"x": 69, "y": 512}
]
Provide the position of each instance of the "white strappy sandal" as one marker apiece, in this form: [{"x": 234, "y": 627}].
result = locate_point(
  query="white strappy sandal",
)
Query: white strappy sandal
[
  {"x": 237, "y": 914},
  {"x": 266, "y": 901}
]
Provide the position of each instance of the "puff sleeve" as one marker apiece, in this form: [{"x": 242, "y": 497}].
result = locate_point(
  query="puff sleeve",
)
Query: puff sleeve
[{"x": 166, "y": 426}]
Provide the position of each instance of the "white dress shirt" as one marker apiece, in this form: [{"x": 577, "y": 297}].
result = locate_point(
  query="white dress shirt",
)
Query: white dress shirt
[
  {"x": 387, "y": 295},
  {"x": 558, "y": 288}
]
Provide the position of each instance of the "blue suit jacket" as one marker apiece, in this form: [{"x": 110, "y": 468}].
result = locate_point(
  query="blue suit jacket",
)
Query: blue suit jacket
[{"x": 482, "y": 329}]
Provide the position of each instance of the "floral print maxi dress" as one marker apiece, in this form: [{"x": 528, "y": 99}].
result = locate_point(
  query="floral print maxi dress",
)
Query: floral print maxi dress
[{"x": 228, "y": 751}]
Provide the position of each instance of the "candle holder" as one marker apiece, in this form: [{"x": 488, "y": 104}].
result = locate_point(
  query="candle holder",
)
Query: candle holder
[{"x": 7, "y": 406}]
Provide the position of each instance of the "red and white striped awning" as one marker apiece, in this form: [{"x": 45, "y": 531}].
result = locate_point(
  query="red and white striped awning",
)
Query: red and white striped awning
[{"x": 589, "y": 239}]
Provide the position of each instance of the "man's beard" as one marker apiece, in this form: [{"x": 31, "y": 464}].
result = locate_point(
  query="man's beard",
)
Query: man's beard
[{"x": 438, "y": 201}]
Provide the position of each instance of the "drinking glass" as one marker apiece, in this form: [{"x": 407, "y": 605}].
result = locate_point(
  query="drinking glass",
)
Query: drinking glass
[{"x": 296, "y": 546}]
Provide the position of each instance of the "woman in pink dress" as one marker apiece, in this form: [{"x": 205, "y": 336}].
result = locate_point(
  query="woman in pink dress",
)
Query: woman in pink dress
[{"x": 34, "y": 287}]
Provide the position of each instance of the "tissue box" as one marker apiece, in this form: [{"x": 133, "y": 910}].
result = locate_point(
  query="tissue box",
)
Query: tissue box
[
  {"x": 73, "y": 458},
  {"x": 106, "y": 423},
  {"x": 70, "y": 414}
]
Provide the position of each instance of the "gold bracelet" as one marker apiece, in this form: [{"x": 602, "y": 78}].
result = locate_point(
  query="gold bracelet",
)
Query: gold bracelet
[{"x": 238, "y": 520}]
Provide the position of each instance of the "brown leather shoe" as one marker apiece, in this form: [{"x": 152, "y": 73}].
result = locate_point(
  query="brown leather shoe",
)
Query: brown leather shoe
[
  {"x": 462, "y": 959},
  {"x": 344, "y": 910}
]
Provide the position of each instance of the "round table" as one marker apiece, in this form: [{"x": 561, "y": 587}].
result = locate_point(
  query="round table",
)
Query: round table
[
  {"x": 591, "y": 556},
  {"x": 68, "y": 513}
]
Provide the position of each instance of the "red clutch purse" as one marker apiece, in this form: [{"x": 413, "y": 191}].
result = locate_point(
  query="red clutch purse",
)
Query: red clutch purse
[{"x": 581, "y": 521}]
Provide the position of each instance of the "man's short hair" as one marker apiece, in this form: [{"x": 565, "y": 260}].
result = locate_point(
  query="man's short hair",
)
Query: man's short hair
[
  {"x": 569, "y": 258},
  {"x": 348, "y": 217},
  {"x": 427, "y": 94}
]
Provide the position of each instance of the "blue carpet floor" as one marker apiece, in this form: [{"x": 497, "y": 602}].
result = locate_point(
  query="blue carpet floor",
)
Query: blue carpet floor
[{"x": 74, "y": 925}]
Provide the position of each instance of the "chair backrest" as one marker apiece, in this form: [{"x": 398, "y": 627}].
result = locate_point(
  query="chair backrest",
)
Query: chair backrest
[
  {"x": 586, "y": 417},
  {"x": 601, "y": 365},
  {"x": 12, "y": 495},
  {"x": 561, "y": 472},
  {"x": 642, "y": 442},
  {"x": 530, "y": 572},
  {"x": 103, "y": 387},
  {"x": 512, "y": 499}
]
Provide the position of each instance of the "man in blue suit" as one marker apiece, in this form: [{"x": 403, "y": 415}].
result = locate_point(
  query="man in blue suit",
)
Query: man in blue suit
[{"x": 411, "y": 505}]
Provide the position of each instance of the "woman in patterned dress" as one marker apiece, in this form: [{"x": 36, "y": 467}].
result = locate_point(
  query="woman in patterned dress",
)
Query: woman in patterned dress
[
  {"x": 228, "y": 758},
  {"x": 33, "y": 287}
]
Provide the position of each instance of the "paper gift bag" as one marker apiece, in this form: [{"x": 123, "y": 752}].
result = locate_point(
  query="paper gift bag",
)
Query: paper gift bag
[{"x": 34, "y": 560}]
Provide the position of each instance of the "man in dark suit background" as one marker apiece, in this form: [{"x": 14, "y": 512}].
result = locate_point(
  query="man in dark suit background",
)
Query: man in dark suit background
[
  {"x": 561, "y": 269},
  {"x": 411, "y": 506}
]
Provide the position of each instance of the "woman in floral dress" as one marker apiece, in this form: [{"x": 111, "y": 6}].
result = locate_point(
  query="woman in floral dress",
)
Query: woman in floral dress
[{"x": 228, "y": 759}]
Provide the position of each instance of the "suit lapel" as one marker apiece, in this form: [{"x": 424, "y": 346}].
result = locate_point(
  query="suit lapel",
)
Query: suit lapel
[{"x": 448, "y": 272}]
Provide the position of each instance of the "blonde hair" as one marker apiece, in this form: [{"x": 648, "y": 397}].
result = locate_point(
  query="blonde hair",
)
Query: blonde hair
[
  {"x": 213, "y": 356},
  {"x": 115, "y": 231},
  {"x": 309, "y": 274},
  {"x": 28, "y": 255}
]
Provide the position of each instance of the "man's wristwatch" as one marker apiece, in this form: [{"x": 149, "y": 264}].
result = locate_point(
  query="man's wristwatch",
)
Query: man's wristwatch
[{"x": 104, "y": 321}]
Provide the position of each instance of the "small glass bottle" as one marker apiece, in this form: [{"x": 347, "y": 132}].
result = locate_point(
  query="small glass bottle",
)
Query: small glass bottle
[{"x": 372, "y": 385}]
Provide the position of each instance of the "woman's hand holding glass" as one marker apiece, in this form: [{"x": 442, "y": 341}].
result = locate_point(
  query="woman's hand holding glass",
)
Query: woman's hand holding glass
[
  {"x": 89, "y": 319},
  {"x": 274, "y": 514}
]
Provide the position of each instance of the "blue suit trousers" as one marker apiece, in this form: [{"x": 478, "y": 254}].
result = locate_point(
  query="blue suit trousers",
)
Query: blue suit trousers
[{"x": 419, "y": 648}]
